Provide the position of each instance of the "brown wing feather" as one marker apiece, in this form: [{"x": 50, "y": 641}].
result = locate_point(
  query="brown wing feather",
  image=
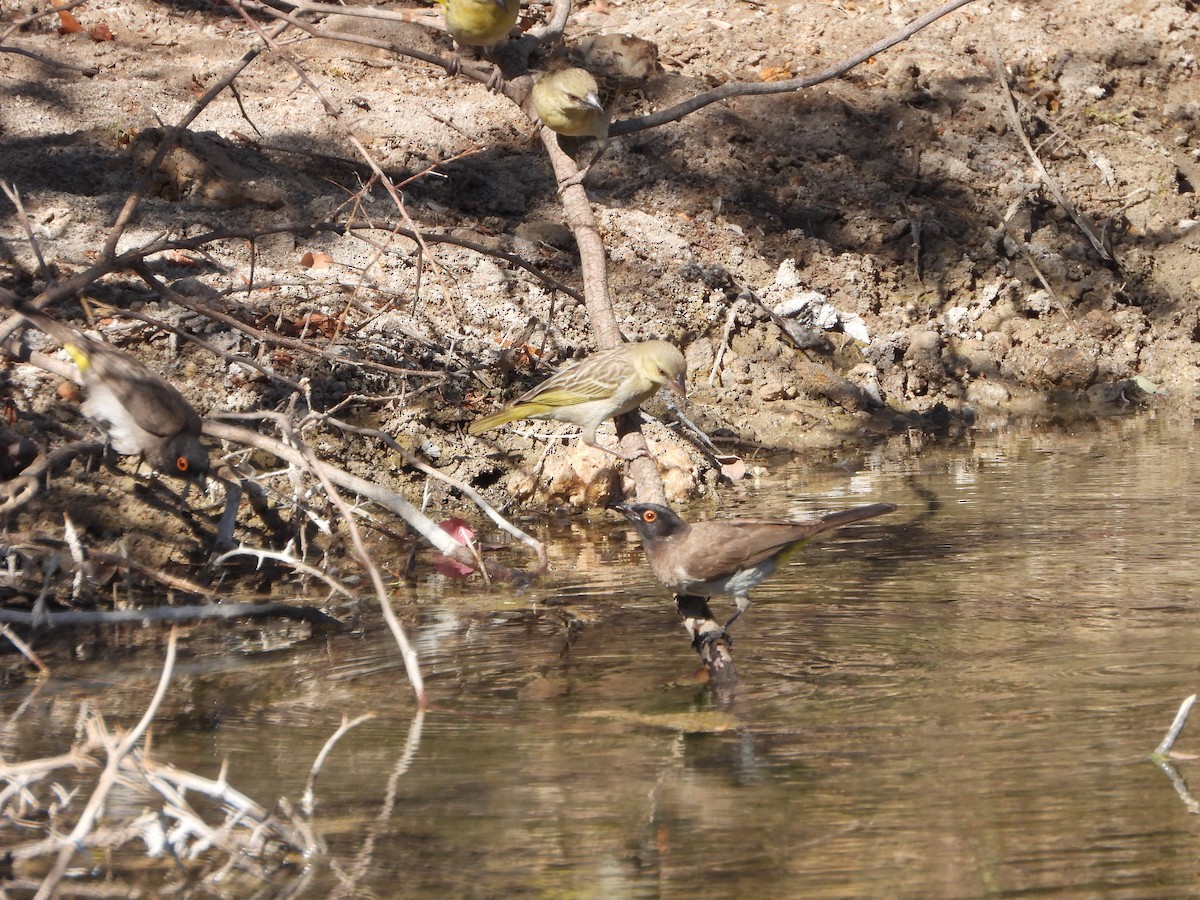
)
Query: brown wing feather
[
  {"x": 718, "y": 548},
  {"x": 153, "y": 402}
]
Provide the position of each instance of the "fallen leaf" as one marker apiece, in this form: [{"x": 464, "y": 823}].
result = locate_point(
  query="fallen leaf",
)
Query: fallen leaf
[
  {"x": 179, "y": 258},
  {"x": 732, "y": 467},
  {"x": 458, "y": 529},
  {"x": 100, "y": 33},
  {"x": 1146, "y": 385},
  {"x": 69, "y": 391},
  {"x": 312, "y": 260},
  {"x": 68, "y": 24}
]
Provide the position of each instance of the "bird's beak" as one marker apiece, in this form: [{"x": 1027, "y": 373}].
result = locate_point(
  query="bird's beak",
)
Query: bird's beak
[
  {"x": 678, "y": 386},
  {"x": 594, "y": 102},
  {"x": 623, "y": 510}
]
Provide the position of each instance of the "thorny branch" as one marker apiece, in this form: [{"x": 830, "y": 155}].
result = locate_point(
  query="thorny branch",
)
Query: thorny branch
[
  {"x": 314, "y": 466},
  {"x": 388, "y": 499},
  {"x": 250, "y": 837},
  {"x": 1014, "y": 120}
]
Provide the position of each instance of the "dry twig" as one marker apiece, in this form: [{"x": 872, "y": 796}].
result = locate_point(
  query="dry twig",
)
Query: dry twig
[
  {"x": 116, "y": 754},
  {"x": 1010, "y": 111}
]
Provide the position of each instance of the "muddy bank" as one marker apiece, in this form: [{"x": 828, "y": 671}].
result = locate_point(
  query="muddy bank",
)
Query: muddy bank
[{"x": 876, "y": 255}]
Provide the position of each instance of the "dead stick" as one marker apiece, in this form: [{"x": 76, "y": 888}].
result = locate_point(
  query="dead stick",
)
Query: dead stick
[
  {"x": 1010, "y": 110},
  {"x": 169, "y": 614},
  {"x": 1163, "y": 750},
  {"x": 746, "y": 89},
  {"x": 411, "y": 664},
  {"x": 25, "y": 649}
]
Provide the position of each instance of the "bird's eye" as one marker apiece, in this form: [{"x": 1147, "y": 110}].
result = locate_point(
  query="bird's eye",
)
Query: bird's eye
[
  {"x": 182, "y": 464},
  {"x": 649, "y": 515}
]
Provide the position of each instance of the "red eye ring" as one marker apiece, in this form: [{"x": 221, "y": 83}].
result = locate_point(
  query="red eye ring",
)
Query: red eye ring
[
  {"x": 649, "y": 515},
  {"x": 182, "y": 464}
]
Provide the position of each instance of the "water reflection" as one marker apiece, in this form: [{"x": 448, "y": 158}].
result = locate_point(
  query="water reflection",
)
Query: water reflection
[{"x": 955, "y": 701}]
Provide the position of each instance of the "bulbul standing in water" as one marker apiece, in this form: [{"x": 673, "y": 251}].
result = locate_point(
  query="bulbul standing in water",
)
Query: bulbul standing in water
[{"x": 726, "y": 556}]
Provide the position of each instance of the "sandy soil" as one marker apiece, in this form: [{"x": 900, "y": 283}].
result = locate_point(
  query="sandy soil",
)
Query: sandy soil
[{"x": 876, "y": 255}]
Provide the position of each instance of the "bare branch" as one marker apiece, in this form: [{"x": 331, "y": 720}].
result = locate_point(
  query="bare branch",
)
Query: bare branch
[
  {"x": 308, "y": 801},
  {"x": 47, "y": 61},
  {"x": 753, "y": 89},
  {"x": 492, "y": 513},
  {"x": 385, "y": 497},
  {"x": 411, "y": 664}
]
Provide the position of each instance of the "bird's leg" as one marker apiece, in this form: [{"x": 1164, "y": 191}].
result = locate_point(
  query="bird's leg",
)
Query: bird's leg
[
  {"x": 495, "y": 82},
  {"x": 699, "y": 622},
  {"x": 454, "y": 67},
  {"x": 617, "y": 453},
  {"x": 583, "y": 172},
  {"x": 743, "y": 604},
  {"x": 454, "y": 64}
]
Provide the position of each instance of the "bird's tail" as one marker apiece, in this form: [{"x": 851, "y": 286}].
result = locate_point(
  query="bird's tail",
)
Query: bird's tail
[
  {"x": 854, "y": 514},
  {"x": 836, "y": 520},
  {"x": 495, "y": 420},
  {"x": 71, "y": 339}
]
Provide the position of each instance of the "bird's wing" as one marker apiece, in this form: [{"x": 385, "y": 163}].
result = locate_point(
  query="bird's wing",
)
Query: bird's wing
[
  {"x": 715, "y": 550},
  {"x": 719, "y": 548},
  {"x": 565, "y": 396},
  {"x": 596, "y": 378},
  {"x": 747, "y": 544},
  {"x": 153, "y": 402}
]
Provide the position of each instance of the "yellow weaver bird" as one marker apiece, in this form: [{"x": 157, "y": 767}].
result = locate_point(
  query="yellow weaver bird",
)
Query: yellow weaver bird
[
  {"x": 568, "y": 102},
  {"x": 481, "y": 23},
  {"x": 602, "y": 386}
]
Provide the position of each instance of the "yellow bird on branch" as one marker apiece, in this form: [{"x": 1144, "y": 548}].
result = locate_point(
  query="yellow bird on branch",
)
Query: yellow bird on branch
[
  {"x": 602, "y": 386},
  {"x": 482, "y": 24},
  {"x": 568, "y": 102}
]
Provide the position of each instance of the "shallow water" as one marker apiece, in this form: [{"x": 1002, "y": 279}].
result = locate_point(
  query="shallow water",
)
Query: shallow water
[{"x": 956, "y": 700}]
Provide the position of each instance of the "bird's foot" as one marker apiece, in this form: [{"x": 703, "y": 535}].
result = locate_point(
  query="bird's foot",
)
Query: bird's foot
[
  {"x": 575, "y": 179},
  {"x": 495, "y": 82},
  {"x": 619, "y": 454},
  {"x": 699, "y": 622},
  {"x": 583, "y": 173}
]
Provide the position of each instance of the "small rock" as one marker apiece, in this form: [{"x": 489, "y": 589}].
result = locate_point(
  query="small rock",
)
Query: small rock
[
  {"x": 1039, "y": 302},
  {"x": 991, "y": 394}
]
